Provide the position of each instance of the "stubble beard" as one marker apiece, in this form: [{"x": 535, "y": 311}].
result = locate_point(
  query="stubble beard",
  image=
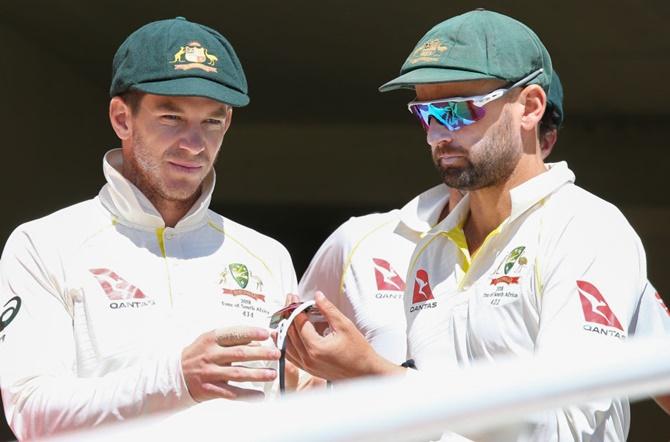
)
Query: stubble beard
[
  {"x": 144, "y": 171},
  {"x": 490, "y": 162}
]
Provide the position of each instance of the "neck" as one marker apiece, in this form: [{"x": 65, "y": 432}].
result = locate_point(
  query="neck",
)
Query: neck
[
  {"x": 173, "y": 211},
  {"x": 490, "y": 206}
]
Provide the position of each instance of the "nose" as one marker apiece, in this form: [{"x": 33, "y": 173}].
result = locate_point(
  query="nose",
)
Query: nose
[
  {"x": 193, "y": 139},
  {"x": 438, "y": 134}
]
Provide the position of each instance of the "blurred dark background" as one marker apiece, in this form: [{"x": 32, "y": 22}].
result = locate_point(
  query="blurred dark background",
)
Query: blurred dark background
[{"x": 318, "y": 143}]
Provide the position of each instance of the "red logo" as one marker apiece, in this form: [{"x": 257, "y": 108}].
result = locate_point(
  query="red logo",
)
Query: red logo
[
  {"x": 116, "y": 288},
  {"x": 595, "y": 307},
  {"x": 241, "y": 292},
  {"x": 506, "y": 279},
  {"x": 386, "y": 276},
  {"x": 422, "y": 291},
  {"x": 660, "y": 301}
]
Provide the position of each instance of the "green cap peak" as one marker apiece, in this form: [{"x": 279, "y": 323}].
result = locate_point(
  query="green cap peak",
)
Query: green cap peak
[
  {"x": 477, "y": 45},
  {"x": 177, "y": 57}
]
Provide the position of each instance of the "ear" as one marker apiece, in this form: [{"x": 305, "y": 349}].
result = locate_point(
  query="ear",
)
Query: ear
[
  {"x": 120, "y": 117},
  {"x": 534, "y": 101},
  {"x": 547, "y": 142}
]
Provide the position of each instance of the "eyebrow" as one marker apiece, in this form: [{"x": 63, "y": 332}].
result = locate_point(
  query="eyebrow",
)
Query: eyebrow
[
  {"x": 221, "y": 112},
  {"x": 170, "y": 106}
]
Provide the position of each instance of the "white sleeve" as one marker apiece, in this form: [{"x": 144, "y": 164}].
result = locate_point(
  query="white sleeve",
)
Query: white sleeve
[
  {"x": 592, "y": 279},
  {"x": 652, "y": 317},
  {"x": 289, "y": 279},
  {"x": 343, "y": 270},
  {"x": 41, "y": 390},
  {"x": 326, "y": 271}
]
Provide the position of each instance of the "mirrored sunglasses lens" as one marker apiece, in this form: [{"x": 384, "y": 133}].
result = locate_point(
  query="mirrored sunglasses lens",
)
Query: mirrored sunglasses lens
[
  {"x": 421, "y": 112},
  {"x": 451, "y": 114},
  {"x": 455, "y": 115}
]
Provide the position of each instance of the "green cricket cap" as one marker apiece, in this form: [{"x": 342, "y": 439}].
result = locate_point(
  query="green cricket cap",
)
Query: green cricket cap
[
  {"x": 555, "y": 98},
  {"x": 177, "y": 57},
  {"x": 476, "y": 45}
]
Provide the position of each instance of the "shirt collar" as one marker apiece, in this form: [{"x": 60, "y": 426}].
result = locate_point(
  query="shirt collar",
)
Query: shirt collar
[
  {"x": 423, "y": 212},
  {"x": 529, "y": 193},
  {"x": 129, "y": 205},
  {"x": 524, "y": 196}
]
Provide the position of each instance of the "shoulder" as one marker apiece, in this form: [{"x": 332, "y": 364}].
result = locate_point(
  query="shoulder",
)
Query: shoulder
[
  {"x": 337, "y": 251},
  {"x": 246, "y": 236},
  {"x": 42, "y": 245},
  {"x": 66, "y": 228},
  {"x": 577, "y": 211},
  {"x": 359, "y": 228},
  {"x": 581, "y": 231}
]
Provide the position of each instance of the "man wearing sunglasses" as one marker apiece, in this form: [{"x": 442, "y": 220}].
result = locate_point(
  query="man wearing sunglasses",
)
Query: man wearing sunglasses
[
  {"x": 361, "y": 267},
  {"x": 527, "y": 263}
]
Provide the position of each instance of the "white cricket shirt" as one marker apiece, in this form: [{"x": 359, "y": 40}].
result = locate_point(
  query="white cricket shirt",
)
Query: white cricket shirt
[
  {"x": 564, "y": 269},
  {"x": 100, "y": 298},
  {"x": 362, "y": 265}
]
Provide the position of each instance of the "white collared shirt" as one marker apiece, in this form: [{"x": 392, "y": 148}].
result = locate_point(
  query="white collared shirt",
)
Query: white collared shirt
[
  {"x": 109, "y": 297},
  {"x": 361, "y": 268},
  {"x": 564, "y": 269}
]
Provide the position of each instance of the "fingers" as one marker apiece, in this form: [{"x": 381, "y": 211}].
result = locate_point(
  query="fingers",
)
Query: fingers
[
  {"x": 295, "y": 348},
  {"x": 222, "y": 390},
  {"x": 243, "y": 353},
  {"x": 239, "y": 335},
  {"x": 292, "y": 376},
  {"x": 335, "y": 318},
  {"x": 312, "y": 383},
  {"x": 306, "y": 330},
  {"x": 240, "y": 373},
  {"x": 292, "y": 298},
  {"x": 274, "y": 334}
]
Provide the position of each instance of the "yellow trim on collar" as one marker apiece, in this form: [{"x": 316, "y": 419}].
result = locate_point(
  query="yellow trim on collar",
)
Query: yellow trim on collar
[
  {"x": 160, "y": 237},
  {"x": 457, "y": 236},
  {"x": 161, "y": 240}
]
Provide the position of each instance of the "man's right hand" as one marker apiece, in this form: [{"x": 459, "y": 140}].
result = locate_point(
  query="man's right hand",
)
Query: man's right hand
[
  {"x": 342, "y": 354},
  {"x": 206, "y": 363}
]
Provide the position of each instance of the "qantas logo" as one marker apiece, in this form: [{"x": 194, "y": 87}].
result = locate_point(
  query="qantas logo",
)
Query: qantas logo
[
  {"x": 386, "y": 276},
  {"x": 596, "y": 310},
  {"x": 115, "y": 287},
  {"x": 422, "y": 291},
  {"x": 118, "y": 289}
]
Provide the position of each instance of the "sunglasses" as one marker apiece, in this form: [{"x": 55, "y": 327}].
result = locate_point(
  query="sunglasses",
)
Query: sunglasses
[
  {"x": 455, "y": 113},
  {"x": 282, "y": 319}
]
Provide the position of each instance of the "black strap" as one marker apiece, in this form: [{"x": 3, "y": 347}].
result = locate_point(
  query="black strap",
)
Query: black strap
[
  {"x": 282, "y": 368},
  {"x": 409, "y": 364}
]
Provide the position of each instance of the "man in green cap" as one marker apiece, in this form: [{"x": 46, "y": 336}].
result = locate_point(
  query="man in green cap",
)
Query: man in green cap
[
  {"x": 142, "y": 299},
  {"x": 526, "y": 262},
  {"x": 362, "y": 265}
]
